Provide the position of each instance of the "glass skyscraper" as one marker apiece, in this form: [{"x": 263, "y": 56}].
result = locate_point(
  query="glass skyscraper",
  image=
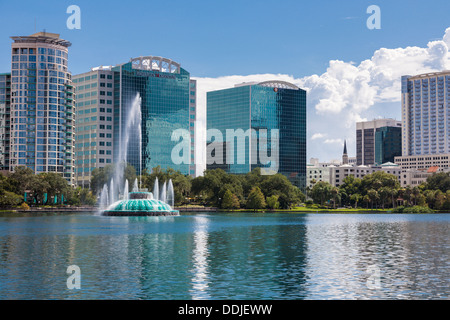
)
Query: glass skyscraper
[
  {"x": 105, "y": 97},
  {"x": 388, "y": 144},
  {"x": 42, "y": 105},
  {"x": 261, "y": 108},
  {"x": 5, "y": 120},
  {"x": 378, "y": 141}
]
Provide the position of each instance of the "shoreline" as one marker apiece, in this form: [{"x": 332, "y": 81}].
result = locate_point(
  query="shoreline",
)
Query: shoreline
[{"x": 56, "y": 210}]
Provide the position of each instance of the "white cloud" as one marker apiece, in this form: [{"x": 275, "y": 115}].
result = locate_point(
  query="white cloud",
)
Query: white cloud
[
  {"x": 347, "y": 92},
  {"x": 338, "y": 142},
  {"x": 318, "y": 136}
]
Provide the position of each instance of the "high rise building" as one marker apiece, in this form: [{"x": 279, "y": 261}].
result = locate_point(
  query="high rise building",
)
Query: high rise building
[
  {"x": 42, "y": 105},
  {"x": 425, "y": 121},
  {"x": 94, "y": 130},
  {"x": 258, "y": 110},
  {"x": 377, "y": 141},
  {"x": 5, "y": 120},
  {"x": 105, "y": 98},
  {"x": 426, "y": 114}
]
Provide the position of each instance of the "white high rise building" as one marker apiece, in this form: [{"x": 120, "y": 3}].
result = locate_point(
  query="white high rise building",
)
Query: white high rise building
[
  {"x": 426, "y": 114},
  {"x": 425, "y": 121}
]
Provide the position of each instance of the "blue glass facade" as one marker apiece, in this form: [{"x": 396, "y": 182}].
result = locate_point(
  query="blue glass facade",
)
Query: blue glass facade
[
  {"x": 262, "y": 107},
  {"x": 5, "y": 119},
  {"x": 388, "y": 144},
  {"x": 165, "y": 99}
]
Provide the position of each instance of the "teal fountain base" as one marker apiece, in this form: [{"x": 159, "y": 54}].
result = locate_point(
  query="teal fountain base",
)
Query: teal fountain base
[{"x": 140, "y": 204}]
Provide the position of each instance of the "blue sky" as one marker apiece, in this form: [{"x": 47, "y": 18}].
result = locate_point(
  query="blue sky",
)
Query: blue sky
[
  {"x": 213, "y": 39},
  {"x": 216, "y": 38}
]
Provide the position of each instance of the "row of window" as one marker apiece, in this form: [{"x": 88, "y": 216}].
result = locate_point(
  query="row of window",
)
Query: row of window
[{"x": 92, "y": 77}]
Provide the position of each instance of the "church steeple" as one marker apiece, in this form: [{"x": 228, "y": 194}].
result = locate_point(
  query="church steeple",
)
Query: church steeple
[{"x": 344, "y": 155}]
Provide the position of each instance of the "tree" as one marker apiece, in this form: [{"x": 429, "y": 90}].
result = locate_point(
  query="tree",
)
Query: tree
[
  {"x": 8, "y": 198},
  {"x": 373, "y": 196},
  {"x": 21, "y": 179},
  {"x": 351, "y": 186},
  {"x": 355, "y": 198},
  {"x": 321, "y": 192},
  {"x": 439, "y": 181},
  {"x": 416, "y": 194},
  {"x": 272, "y": 202},
  {"x": 379, "y": 179},
  {"x": 230, "y": 201},
  {"x": 102, "y": 176},
  {"x": 335, "y": 195},
  {"x": 256, "y": 199},
  {"x": 278, "y": 184},
  {"x": 385, "y": 194},
  {"x": 57, "y": 186}
]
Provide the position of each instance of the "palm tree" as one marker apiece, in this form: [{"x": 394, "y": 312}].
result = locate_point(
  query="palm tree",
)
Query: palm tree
[
  {"x": 334, "y": 194},
  {"x": 373, "y": 196}
]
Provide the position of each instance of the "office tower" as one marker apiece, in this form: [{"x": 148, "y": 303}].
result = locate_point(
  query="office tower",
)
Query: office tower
[
  {"x": 426, "y": 114},
  {"x": 42, "y": 105},
  {"x": 94, "y": 130},
  {"x": 192, "y": 126},
  {"x": 377, "y": 141},
  {"x": 425, "y": 121},
  {"x": 258, "y": 110},
  {"x": 105, "y": 100},
  {"x": 5, "y": 120}
]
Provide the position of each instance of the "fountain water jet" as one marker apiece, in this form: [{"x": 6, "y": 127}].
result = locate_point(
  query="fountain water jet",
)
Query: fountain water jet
[
  {"x": 135, "y": 186},
  {"x": 131, "y": 128},
  {"x": 162, "y": 195},
  {"x": 156, "y": 189},
  {"x": 170, "y": 194},
  {"x": 125, "y": 190}
]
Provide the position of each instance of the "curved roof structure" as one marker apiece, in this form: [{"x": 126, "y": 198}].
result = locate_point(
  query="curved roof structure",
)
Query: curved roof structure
[
  {"x": 42, "y": 37},
  {"x": 153, "y": 63},
  {"x": 278, "y": 84}
]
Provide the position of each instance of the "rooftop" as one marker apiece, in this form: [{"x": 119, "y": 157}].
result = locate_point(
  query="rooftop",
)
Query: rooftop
[
  {"x": 154, "y": 63},
  {"x": 430, "y": 75},
  {"x": 42, "y": 37}
]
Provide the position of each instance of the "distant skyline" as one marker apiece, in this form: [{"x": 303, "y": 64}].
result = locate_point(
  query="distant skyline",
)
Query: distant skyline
[{"x": 351, "y": 73}]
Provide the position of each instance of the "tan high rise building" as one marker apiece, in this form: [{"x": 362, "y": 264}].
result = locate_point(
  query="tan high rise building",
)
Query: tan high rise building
[{"x": 42, "y": 105}]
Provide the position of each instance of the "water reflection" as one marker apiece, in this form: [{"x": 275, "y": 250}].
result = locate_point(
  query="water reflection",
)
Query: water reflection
[
  {"x": 225, "y": 256},
  {"x": 412, "y": 256},
  {"x": 200, "y": 253}
]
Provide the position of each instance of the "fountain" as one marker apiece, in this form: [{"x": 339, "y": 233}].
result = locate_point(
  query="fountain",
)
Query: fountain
[{"x": 140, "y": 202}]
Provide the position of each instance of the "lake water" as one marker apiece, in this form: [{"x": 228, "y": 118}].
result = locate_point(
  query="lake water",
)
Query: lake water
[{"x": 226, "y": 256}]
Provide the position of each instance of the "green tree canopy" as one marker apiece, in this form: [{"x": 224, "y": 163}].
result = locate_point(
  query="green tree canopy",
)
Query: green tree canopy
[
  {"x": 230, "y": 201},
  {"x": 256, "y": 199},
  {"x": 321, "y": 192},
  {"x": 439, "y": 181}
]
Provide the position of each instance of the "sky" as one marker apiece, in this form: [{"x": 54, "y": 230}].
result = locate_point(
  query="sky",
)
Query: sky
[{"x": 350, "y": 73}]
